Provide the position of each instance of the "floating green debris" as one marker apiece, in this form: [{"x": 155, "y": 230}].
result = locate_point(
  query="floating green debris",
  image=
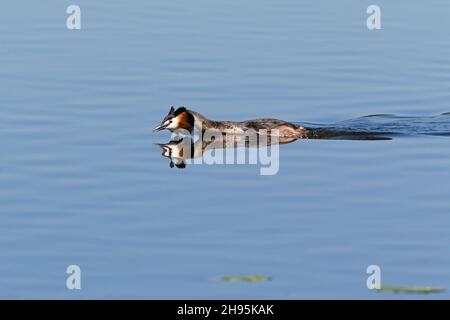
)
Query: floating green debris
[
  {"x": 247, "y": 279},
  {"x": 412, "y": 289}
]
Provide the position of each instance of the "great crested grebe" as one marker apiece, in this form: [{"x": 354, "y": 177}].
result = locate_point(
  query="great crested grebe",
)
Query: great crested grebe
[{"x": 186, "y": 119}]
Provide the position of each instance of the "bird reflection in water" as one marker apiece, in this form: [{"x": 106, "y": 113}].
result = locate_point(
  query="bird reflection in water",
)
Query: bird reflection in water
[{"x": 220, "y": 149}]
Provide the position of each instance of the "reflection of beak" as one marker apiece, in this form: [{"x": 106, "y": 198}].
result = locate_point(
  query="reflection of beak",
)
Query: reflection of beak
[
  {"x": 166, "y": 150},
  {"x": 160, "y": 127}
]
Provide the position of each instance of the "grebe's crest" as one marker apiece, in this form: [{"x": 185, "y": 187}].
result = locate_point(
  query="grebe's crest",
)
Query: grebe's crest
[{"x": 177, "y": 119}]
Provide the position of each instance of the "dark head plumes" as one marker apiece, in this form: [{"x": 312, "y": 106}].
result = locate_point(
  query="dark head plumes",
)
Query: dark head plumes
[{"x": 180, "y": 118}]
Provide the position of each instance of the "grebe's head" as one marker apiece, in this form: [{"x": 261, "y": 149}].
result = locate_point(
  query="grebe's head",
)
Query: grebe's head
[{"x": 177, "y": 119}]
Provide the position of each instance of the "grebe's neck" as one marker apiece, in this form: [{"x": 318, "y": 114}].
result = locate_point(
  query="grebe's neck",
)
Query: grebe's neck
[{"x": 205, "y": 122}]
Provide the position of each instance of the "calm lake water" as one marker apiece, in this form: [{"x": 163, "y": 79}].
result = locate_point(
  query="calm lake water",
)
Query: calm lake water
[{"x": 82, "y": 183}]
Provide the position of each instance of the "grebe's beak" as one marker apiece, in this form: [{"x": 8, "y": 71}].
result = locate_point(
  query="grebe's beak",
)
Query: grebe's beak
[{"x": 162, "y": 126}]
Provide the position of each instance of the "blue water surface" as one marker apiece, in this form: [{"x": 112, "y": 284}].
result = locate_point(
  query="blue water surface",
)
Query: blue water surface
[{"x": 82, "y": 183}]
